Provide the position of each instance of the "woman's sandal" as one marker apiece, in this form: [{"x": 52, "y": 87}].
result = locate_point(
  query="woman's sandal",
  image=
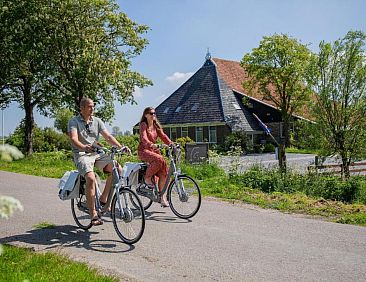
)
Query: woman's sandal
[
  {"x": 104, "y": 209},
  {"x": 163, "y": 205},
  {"x": 96, "y": 221}
]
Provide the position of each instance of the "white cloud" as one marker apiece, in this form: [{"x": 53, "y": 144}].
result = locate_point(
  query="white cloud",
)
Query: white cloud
[{"x": 179, "y": 77}]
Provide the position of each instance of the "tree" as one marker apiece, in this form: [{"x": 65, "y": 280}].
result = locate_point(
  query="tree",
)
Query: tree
[
  {"x": 339, "y": 79},
  {"x": 55, "y": 52},
  {"x": 62, "y": 117},
  {"x": 277, "y": 69},
  {"x": 25, "y": 65},
  {"x": 92, "y": 44}
]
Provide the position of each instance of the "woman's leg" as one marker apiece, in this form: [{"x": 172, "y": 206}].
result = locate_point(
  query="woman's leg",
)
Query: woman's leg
[
  {"x": 156, "y": 162},
  {"x": 163, "y": 175}
]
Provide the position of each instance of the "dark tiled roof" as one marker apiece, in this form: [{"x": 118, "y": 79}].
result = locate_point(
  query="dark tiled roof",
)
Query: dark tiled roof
[
  {"x": 212, "y": 95},
  {"x": 196, "y": 101},
  {"x": 236, "y": 114}
]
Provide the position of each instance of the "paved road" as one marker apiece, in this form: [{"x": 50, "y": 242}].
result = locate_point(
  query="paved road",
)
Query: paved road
[{"x": 224, "y": 242}]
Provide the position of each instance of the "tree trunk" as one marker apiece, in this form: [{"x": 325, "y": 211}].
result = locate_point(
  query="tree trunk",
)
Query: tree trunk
[
  {"x": 282, "y": 157},
  {"x": 286, "y": 132},
  {"x": 345, "y": 173},
  {"x": 29, "y": 120}
]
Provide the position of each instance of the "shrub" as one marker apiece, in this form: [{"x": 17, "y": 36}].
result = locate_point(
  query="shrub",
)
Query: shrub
[
  {"x": 44, "y": 140},
  {"x": 269, "y": 148},
  {"x": 315, "y": 185},
  {"x": 236, "y": 143}
]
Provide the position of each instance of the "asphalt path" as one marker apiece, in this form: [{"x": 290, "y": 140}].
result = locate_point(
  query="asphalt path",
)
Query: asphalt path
[{"x": 223, "y": 242}]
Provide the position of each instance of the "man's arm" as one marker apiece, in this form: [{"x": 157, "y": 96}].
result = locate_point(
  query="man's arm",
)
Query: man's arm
[
  {"x": 73, "y": 134},
  {"x": 110, "y": 139}
]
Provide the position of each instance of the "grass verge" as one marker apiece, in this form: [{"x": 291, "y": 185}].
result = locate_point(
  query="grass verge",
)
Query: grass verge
[{"x": 19, "y": 264}]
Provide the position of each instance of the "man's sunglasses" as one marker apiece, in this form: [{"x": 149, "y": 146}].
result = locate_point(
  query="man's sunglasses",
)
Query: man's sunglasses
[{"x": 87, "y": 127}]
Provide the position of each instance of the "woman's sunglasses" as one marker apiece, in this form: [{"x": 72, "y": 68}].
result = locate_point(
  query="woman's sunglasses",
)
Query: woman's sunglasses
[{"x": 152, "y": 113}]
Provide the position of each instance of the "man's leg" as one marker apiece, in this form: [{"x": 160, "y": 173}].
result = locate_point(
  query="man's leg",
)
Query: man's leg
[
  {"x": 108, "y": 184},
  {"x": 90, "y": 193}
]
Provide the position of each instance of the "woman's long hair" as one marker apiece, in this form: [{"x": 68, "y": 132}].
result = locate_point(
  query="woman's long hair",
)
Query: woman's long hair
[{"x": 144, "y": 119}]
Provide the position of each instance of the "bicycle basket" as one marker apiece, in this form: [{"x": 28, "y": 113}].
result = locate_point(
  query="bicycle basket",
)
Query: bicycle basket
[{"x": 69, "y": 185}]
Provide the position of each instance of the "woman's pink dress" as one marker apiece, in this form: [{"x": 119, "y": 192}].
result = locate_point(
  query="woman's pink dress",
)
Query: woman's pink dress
[{"x": 157, "y": 164}]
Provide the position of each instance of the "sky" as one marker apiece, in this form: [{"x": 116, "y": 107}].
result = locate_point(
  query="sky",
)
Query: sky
[{"x": 181, "y": 31}]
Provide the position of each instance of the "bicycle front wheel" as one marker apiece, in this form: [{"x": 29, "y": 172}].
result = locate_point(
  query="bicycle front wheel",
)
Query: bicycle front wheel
[
  {"x": 128, "y": 216},
  {"x": 80, "y": 212},
  {"x": 184, "y": 198}
]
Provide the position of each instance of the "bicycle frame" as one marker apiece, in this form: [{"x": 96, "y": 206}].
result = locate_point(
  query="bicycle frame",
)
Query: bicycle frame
[{"x": 116, "y": 183}]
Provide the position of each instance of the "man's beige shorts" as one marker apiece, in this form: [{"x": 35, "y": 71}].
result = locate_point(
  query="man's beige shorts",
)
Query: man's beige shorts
[{"x": 86, "y": 163}]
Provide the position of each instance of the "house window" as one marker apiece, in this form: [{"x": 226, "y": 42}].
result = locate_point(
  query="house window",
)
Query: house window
[
  {"x": 212, "y": 134},
  {"x": 236, "y": 106},
  {"x": 184, "y": 131},
  {"x": 173, "y": 133},
  {"x": 199, "y": 134},
  {"x": 166, "y": 110},
  {"x": 167, "y": 132},
  {"x": 177, "y": 110},
  {"x": 194, "y": 107}
]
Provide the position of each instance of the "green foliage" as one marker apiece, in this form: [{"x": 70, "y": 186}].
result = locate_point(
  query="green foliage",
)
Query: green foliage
[
  {"x": 62, "y": 117},
  {"x": 307, "y": 135},
  {"x": 338, "y": 77},
  {"x": 54, "y": 54},
  {"x": 235, "y": 144},
  {"x": 282, "y": 62},
  {"x": 203, "y": 171},
  {"x": 269, "y": 148},
  {"x": 52, "y": 164},
  {"x": 44, "y": 140},
  {"x": 182, "y": 141},
  {"x": 19, "y": 264},
  {"x": 131, "y": 141},
  {"x": 314, "y": 185},
  {"x": 94, "y": 53}
]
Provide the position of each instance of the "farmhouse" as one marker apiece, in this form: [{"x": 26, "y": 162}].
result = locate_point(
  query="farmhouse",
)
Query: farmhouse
[{"x": 213, "y": 103}]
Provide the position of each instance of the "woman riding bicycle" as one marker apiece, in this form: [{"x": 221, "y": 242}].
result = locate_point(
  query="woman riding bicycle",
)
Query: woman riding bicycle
[{"x": 150, "y": 130}]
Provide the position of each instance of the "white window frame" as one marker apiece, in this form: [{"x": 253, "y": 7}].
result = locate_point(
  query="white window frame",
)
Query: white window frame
[
  {"x": 209, "y": 134},
  {"x": 186, "y": 130},
  {"x": 196, "y": 129}
]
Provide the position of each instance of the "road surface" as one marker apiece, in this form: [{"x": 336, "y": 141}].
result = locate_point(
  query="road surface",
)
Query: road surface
[{"x": 223, "y": 242}]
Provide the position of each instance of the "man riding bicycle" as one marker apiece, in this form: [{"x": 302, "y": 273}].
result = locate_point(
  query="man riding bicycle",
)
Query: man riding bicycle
[{"x": 84, "y": 131}]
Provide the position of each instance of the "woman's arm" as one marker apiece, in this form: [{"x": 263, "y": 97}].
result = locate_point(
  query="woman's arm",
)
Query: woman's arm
[
  {"x": 144, "y": 140},
  {"x": 163, "y": 136}
]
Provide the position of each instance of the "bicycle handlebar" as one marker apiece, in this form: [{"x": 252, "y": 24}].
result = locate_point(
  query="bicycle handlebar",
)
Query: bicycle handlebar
[
  {"x": 100, "y": 149},
  {"x": 170, "y": 146}
]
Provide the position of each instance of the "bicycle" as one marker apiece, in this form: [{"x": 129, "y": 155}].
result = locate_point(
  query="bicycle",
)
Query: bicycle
[
  {"x": 183, "y": 192},
  {"x": 127, "y": 212}
]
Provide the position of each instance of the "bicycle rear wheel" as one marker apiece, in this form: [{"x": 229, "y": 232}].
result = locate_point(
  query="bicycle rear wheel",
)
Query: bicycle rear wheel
[
  {"x": 80, "y": 212},
  {"x": 184, "y": 199},
  {"x": 145, "y": 201},
  {"x": 128, "y": 216}
]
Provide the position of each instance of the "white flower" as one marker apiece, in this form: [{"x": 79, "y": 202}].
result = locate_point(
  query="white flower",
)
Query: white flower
[
  {"x": 8, "y": 205},
  {"x": 9, "y": 153}
]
